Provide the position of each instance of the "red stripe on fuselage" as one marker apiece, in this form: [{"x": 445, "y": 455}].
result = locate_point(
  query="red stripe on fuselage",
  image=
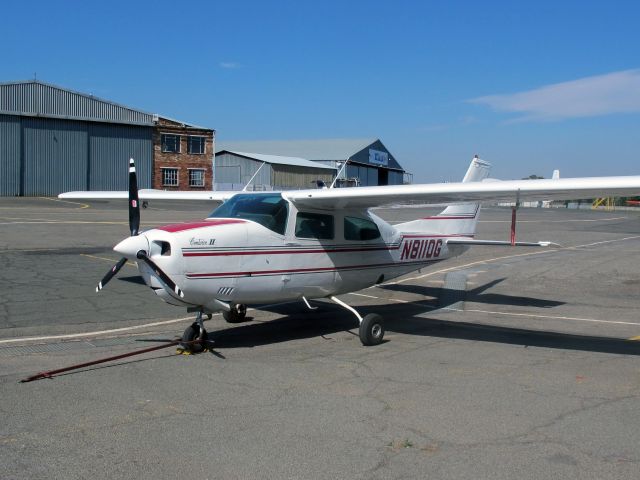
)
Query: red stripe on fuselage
[
  {"x": 315, "y": 250},
  {"x": 469, "y": 217},
  {"x": 469, "y": 235},
  {"x": 180, "y": 227},
  {"x": 288, "y": 252},
  {"x": 305, "y": 270}
]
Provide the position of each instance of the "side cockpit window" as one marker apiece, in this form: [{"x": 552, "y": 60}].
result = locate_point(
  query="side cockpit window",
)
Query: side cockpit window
[
  {"x": 360, "y": 229},
  {"x": 269, "y": 210},
  {"x": 314, "y": 225}
]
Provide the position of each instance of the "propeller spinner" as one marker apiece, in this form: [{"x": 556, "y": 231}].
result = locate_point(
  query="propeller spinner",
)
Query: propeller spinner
[{"x": 136, "y": 247}]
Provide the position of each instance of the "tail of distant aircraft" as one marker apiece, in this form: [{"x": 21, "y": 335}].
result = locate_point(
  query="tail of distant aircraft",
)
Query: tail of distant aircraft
[
  {"x": 547, "y": 203},
  {"x": 455, "y": 220}
]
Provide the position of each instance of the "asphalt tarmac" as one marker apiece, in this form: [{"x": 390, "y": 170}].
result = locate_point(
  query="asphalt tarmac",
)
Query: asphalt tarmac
[{"x": 502, "y": 363}]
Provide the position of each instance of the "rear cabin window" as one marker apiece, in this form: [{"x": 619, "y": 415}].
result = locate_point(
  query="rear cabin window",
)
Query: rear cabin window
[
  {"x": 360, "y": 229},
  {"x": 268, "y": 210},
  {"x": 314, "y": 225}
]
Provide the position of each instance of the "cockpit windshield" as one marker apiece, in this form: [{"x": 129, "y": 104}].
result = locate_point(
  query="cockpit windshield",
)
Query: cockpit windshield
[{"x": 268, "y": 209}]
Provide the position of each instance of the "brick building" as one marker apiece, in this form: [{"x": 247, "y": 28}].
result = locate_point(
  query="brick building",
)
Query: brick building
[
  {"x": 182, "y": 156},
  {"x": 55, "y": 140}
]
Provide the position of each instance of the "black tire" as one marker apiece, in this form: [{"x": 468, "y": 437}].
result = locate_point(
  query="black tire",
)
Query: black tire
[
  {"x": 190, "y": 334},
  {"x": 237, "y": 314},
  {"x": 371, "y": 330}
]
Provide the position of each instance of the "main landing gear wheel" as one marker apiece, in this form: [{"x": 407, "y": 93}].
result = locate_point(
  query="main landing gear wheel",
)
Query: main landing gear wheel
[
  {"x": 236, "y": 314},
  {"x": 371, "y": 330},
  {"x": 193, "y": 333}
]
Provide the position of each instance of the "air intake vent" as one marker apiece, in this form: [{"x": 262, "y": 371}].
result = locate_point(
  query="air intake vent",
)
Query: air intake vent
[{"x": 225, "y": 291}]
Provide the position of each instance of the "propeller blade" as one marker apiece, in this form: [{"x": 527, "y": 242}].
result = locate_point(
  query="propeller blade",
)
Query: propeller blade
[
  {"x": 134, "y": 204},
  {"x": 110, "y": 274},
  {"x": 163, "y": 276}
]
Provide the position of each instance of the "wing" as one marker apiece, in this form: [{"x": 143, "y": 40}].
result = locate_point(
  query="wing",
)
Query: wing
[
  {"x": 469, "y": 192},
  {"x": 150, "y": 194}
]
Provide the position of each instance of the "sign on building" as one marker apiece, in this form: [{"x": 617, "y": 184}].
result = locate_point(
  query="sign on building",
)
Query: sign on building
[{"x": 376, "y": 157}]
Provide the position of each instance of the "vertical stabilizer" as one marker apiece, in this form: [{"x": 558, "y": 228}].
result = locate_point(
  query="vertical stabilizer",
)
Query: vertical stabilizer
[{"x": 456, "y": 220}]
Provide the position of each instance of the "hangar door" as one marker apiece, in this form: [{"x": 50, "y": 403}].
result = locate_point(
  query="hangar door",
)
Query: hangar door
[
  {"x": 55, "y": 156},
  {"x": 44, "y": 156}
]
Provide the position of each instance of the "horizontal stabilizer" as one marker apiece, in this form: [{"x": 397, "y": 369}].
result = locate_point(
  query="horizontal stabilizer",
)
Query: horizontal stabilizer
[{"x": 460, "y": 241}]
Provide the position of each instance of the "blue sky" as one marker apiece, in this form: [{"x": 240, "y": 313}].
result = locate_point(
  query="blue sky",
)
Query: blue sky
[{"x": 530, "y": 86}]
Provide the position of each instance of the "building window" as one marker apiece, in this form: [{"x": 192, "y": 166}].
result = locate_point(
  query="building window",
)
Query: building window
[
  {"x": 170, "y": 177},
  {"x": 314, "y": 225},
  {"x": 196, "y": 145},
  {"x": 196, "y": 177},
  {"x": 170, "y": 143}
]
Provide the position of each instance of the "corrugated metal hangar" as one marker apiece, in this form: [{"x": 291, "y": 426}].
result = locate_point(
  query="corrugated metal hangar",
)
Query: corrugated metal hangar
[
  {"x": 234, "y": 170},
  {"x": 369, "y": 161},
  {"x": 54, "y": 140}
]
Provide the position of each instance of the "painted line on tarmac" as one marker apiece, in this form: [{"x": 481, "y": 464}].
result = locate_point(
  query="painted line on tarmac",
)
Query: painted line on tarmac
[
  {"x": 495, "y": 259},
  {"x": 379, "y": 298},
  {"x": 515, "y": 314},
  {"x": 110, "y": 260},
  {"x": 61, "y": 222},
  {"x": 94, "y": 333},
  {"x": 542, "y": 221},
  {"x": 556, "y": 221},
  {"x": 82, "y": 205},
  {"x": 18, "y": 250},
  {"x": 118, "y": 330},
  {"x": 552, "y": 317},
  {"x": 74, "y": 222}
]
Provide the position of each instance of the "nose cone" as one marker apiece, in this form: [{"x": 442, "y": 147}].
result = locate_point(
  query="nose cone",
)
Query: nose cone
[{"x": 130, "y": 246}]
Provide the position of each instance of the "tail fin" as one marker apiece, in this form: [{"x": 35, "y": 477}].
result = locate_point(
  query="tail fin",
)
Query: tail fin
[{"x": 455, "y": 220}]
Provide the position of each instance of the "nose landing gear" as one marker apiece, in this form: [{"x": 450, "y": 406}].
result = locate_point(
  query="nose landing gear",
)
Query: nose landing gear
[{"x": 195, "y": 337}]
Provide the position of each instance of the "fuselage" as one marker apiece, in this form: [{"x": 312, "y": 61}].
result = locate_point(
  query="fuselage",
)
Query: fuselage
[{"x": 263, "y": 249}]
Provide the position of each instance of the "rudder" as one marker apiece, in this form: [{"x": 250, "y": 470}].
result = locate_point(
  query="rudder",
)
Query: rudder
[{"x": 455, "y": 220}]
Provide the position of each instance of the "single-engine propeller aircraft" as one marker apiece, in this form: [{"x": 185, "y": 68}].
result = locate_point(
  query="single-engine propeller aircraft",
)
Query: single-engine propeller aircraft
[{"x": 269, "y": 247}]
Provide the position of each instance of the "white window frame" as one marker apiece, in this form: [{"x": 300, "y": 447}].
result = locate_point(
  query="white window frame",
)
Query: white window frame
[
  {"x": 173, "y": 135},
  {"x": 204, "y": 176},
  {"x": 164, "y": 169},
  {"x": 204, "y": 144}
]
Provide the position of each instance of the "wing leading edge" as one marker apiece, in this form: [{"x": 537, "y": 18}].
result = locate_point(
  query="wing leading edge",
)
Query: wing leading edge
[
  {"x": 474, "y": 192},
  {"x": 150, "y": 194}
]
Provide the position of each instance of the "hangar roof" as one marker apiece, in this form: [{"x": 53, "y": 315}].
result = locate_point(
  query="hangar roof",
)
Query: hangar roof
[
  {"x": 36, "y": 98},
  {"x": 39, "y": 99},
  {"x": 322, "y": 149},
  {"x": 278, "y": 159}
]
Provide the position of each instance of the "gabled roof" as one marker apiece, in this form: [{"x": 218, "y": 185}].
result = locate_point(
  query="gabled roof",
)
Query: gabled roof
[
  {"x": 323, "y": 149},
  {"x": 278, "y": 160}
]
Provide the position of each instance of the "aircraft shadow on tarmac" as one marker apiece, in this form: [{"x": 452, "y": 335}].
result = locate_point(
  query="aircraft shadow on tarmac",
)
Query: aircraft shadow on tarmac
[
  {"x": 137, "y": 279},
  {"x": 445, "y": 297},
  {"x": 409, "y": 318}
]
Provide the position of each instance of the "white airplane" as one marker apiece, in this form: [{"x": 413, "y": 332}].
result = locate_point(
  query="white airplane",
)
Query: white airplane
[{"x": 270, "y": 247}]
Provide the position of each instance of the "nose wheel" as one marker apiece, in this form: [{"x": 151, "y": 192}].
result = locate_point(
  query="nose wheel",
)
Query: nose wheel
[{"x": 195, "y": 337}]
